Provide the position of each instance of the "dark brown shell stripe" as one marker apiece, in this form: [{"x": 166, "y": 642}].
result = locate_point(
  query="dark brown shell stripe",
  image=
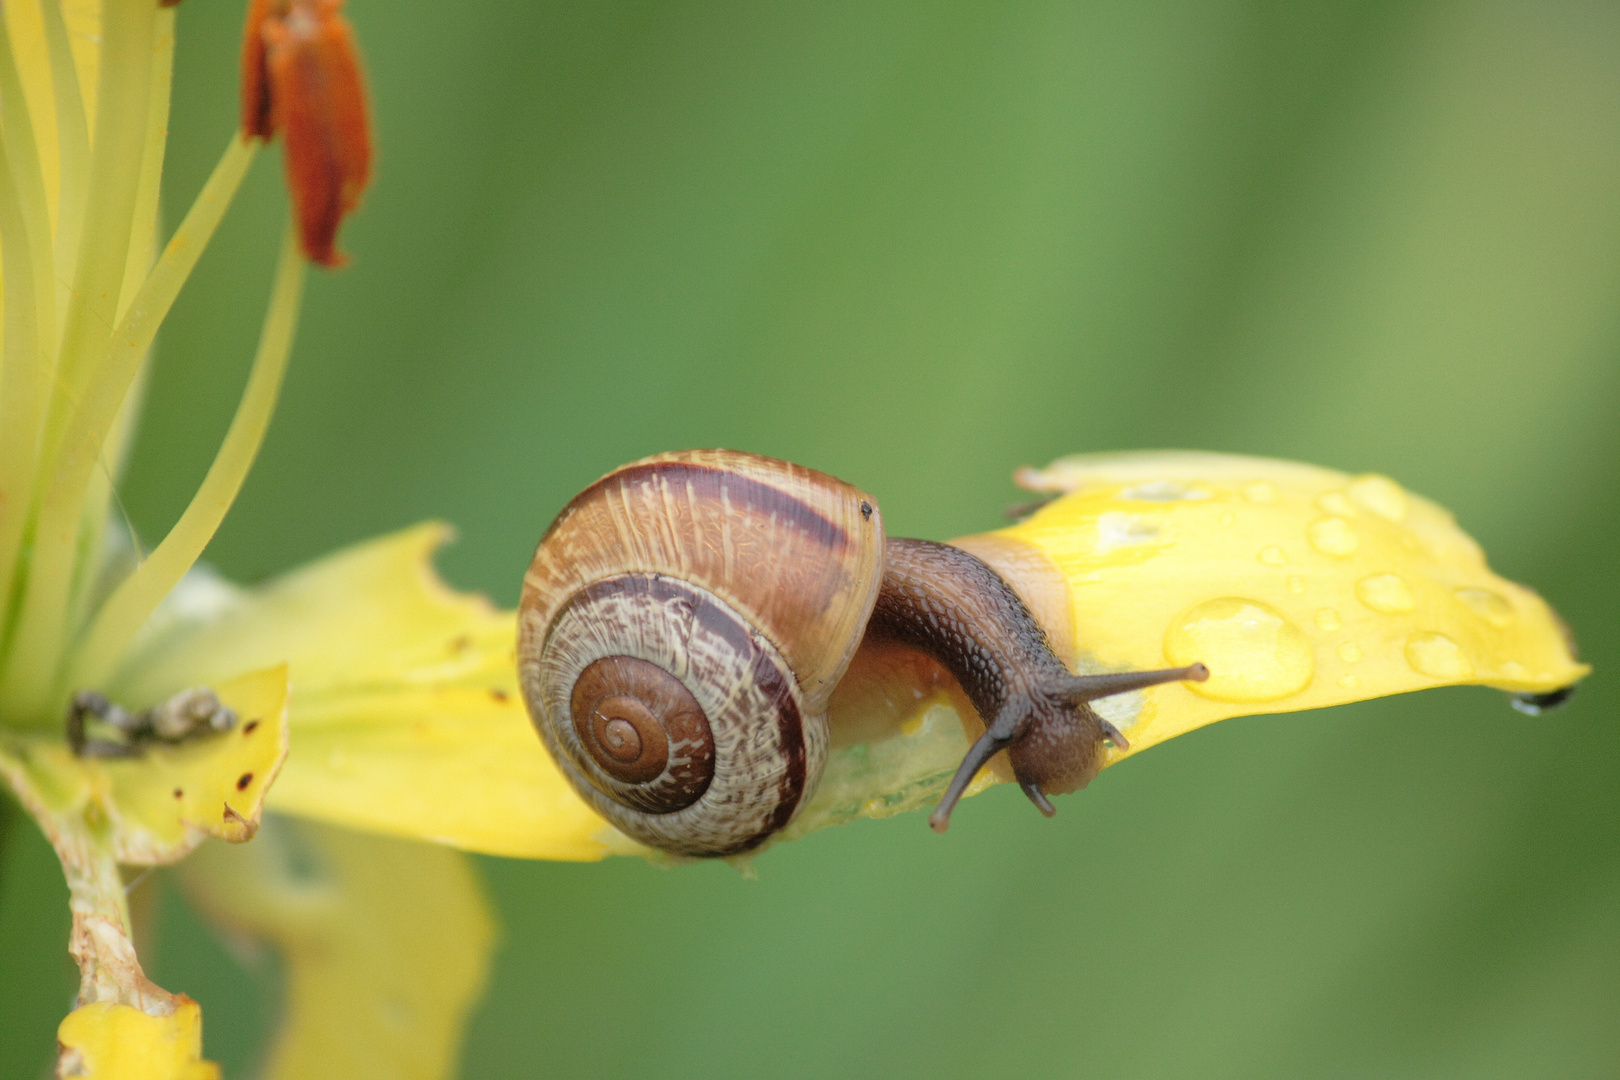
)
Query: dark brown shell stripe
[
  {"x": 765, "y": 753},
  {"x": 791, "y": 548}
]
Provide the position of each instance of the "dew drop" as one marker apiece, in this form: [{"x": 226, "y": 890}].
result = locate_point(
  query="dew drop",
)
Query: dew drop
[
  {"x": 1513, "y": 669},
  {"x": 1350, "y": 652},
  {"x": 1273, "y": 556},
  {"x": 1336, "y": 502},
  {"x": 1379, "y": 494},
  {"x": 1123, "y": 530},
  {"x": 1349, "y": 682},
  {"x": 1438, "y": 656},
  {"x": 1328, "y": 619},
  {"x": 1296, "y": 585},
  {"x": 1228, "y": 518},
  {"x": 1488, "y": 606},
  {"x": 1260, "y": 492},
  {"x": 1163, "y": 491},
  {"x": 1387, "y": 593},
  {"x": 1254, "y": 652},
  {"x": 1332, "y": 536}
]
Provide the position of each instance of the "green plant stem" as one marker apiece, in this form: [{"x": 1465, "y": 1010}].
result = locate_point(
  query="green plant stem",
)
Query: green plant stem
[
  {"x": 122, "y": 616},
  {"x": 73, "y": 143}
]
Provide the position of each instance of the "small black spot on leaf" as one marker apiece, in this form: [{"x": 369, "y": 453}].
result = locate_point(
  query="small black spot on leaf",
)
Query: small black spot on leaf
[
  {"x": 248, "y": 728},
  {"x": 243, "y": 781}
]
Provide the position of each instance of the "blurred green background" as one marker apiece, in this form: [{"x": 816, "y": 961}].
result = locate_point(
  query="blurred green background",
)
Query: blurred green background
[{"x": 917, "y": 245}]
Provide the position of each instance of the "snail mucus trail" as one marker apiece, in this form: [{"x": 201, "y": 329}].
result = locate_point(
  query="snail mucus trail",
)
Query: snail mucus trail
[{"x": 686, "y": 618}]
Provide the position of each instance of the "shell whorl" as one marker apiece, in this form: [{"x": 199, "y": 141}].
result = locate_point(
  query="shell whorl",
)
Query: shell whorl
[{"x": 683, "y": 624}]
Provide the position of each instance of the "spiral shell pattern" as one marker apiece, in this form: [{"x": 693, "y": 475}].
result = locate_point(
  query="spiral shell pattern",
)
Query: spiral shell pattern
[{"x": 682, "y": 626}]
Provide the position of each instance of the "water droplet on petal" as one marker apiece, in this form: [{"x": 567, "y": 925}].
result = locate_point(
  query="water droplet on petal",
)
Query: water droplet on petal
[
  {"x": 1488, "y": 606},
  {"x": 1163, "y": 491},
  {"x": 1336, "y": 502},
  {"x": 1296, "y": 585},
  {"x": 1513, "y": 669},
  {"x": 1328, "y": 619},
  {"x": 1260, "y": 492},
  {"x": 1273, "y": 555},
  {"x": 1350, "y": 652},
  {"x": 1332, "y": 536},
  {"x": 1379, "y": 494},
  {"x": 1388, "y": 593},
  {"x": 1438, "y": 656},
  {"x": 1116, "y": 530},
  {"x": 1349, "y": 682},
  {"x": 1228, "y": 518},
  {"x": 1254, "y": 652}
]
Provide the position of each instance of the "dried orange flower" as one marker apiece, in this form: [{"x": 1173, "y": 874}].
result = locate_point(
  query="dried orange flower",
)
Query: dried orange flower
[{"x": 301, "y": 78}]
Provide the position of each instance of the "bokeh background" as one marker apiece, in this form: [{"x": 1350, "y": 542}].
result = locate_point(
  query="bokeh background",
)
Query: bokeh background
[{"x": 917, "y": 245}]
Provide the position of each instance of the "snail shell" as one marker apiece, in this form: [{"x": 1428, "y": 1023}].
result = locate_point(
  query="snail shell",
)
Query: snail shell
[{"x": 683, "y": 623}]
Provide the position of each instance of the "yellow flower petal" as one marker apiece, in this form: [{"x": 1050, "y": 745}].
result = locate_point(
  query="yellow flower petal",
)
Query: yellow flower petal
[
  {"x": 386, "y": 945},
  {"x": 1298, "y": 586},
  {"x": 157, "y": 807},
  {"x": 105, "y": 1041},
  {"x": 406, "y": 716}
]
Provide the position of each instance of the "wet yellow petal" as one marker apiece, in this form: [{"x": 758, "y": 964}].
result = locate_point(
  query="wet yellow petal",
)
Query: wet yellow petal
[
  {"x": 104, "y": 1041},
  {"x": 157, "y": 807},
  {"x": 1298, "y": 586},
  {"x": 406, "y": 717},
  {"x": 386, "y": 945}
]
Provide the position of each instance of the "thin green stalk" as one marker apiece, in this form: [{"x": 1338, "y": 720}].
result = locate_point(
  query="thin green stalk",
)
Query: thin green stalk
[
  {"x": 27, "y": 350},
  {"x": 128, "y": 608},
  {"x": 73, "y": 142},
  {"x": 31, "y": 667},
  {"x": 20, "y": 391},
  {"x": 115, "y": 170},
  {"x": 143, "y": 239},
  {"x": 22, "y": 149}
]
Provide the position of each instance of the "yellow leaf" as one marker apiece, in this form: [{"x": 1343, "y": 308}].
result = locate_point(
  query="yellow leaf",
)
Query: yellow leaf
[
  {"x": 386, "y": 945},
  {"x": 106, "y": 1041},
  {"x": 406, "y": 716},
  {"x": 156, "y": 807}
]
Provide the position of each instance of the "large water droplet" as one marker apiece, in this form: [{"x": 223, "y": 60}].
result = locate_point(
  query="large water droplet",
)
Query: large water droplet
[
  {"x": 1332, "y": 536},
  {"x": 1328, "y": 619},
  {"x": 1253, "y": 651},
  {"x": 1273, "y": 555},
  {"x": 1437, "y": 655},
  {"x": 1388, "y": 593},
  {"x": 1488, "y": 606},
  {"x": 1379, "y": 494}
]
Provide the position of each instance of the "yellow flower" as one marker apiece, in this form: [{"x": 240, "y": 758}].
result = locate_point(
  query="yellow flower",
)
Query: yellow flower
[{"x": 146, "y": 705}]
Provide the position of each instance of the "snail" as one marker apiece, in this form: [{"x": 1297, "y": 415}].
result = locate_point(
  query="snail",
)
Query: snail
[{"x": 686, "y": 618}]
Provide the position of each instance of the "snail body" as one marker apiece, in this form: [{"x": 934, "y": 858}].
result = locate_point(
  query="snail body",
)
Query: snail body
[{"x": 686, "y": 618}]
